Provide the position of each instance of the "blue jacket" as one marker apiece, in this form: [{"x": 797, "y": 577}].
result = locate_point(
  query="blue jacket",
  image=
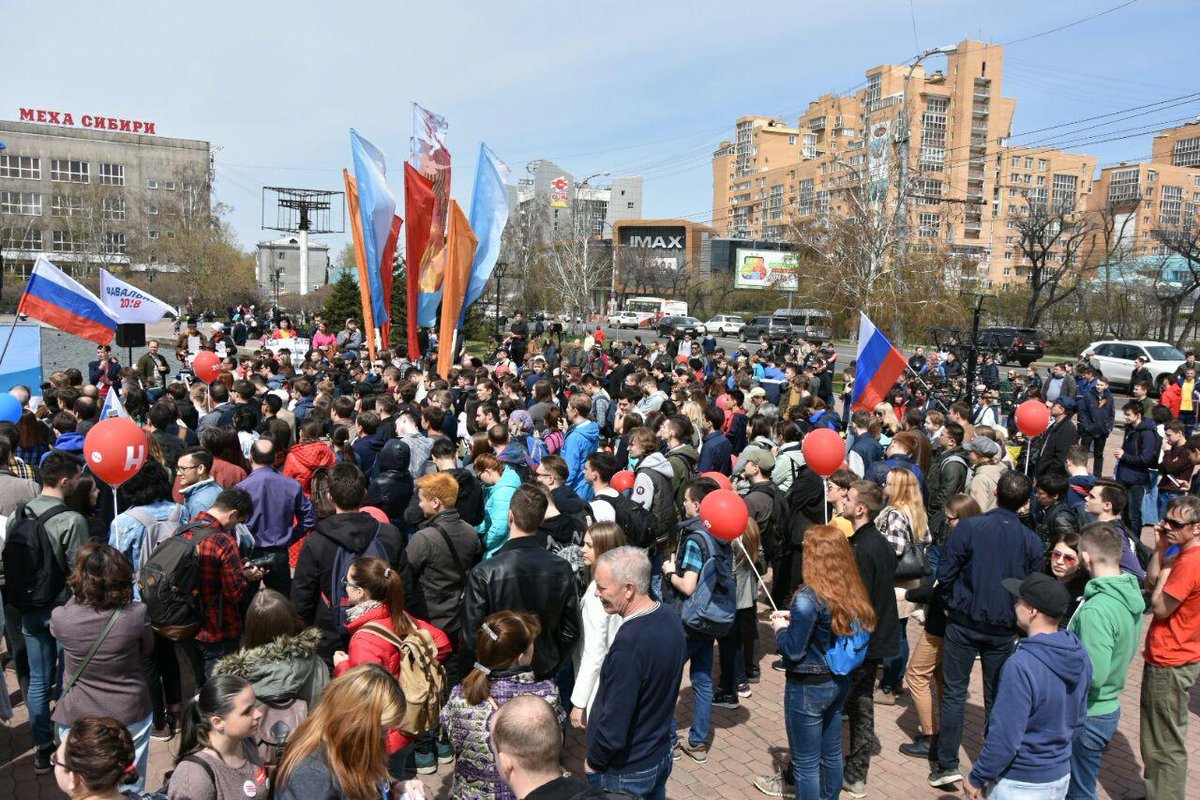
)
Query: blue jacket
[
  {"x": 497, "y": 499},
  {"x": 809, "y": 635},
  {"x": 582, "y": 440},
  {"x": 302, "y": 409},
  {"x": 366, "y": 450},
  {"x": 980, "y": 553},
  {"x": 1140, "y": 448},
  {"x": 1097, "y": 414},
  {"x": 716, "y": 454},
  {"x": 1040, "y": 706},
  {"x": 282, "y": 513},
  {"x": 67, "y": 442},
  {"x": 1078, "y": 488},
  {"x": 200, "y": 496}
]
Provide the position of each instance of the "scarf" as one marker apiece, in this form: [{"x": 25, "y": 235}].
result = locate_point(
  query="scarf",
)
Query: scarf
[{"x": 354, "y": 612}]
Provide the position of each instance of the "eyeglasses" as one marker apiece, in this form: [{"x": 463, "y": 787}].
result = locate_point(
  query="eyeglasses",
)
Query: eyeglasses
[
  {"x": 1066, "y": 558},
  {"x": 54, "y": 762},
  {"x": 1175, "y": 524},
  {"x": 349, "y": 584},
  {"x": 183, "y": 468}
]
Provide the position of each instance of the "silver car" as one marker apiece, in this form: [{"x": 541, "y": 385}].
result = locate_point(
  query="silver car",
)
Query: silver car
[{"x": 1116, "y": 359}]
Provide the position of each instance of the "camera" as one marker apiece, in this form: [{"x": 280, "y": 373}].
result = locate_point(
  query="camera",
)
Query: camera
[{"x": 262, "y": 562}]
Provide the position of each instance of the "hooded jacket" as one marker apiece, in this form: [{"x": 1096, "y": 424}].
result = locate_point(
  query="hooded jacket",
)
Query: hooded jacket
[
  {"x": 982, "y": 485},
  {"x": 643, "y": 484},
  {"x": 1109, "y": 624},
  {"x": 313, "y": 581},
  {"x": 68, "y": 442},
  {"x": 1039, "y": 707},
  {"x": 582, "y": 440},
  {"x": 391, "y": 489},
  {"x": 1078, "y": 488},
  {"x": 419, "y": 448},
  {"x": 1097, "y": 414},
  {"x": 366, "y": 450},
  {"x": 716, "y": 454},
  {"x": 494, "y": 528},
  {"x": 286, "y": 667},
  {"x": 788, "y": 463},
  {"x": 683, "y": 461},
  {"x": 1140, "y": 448},
  {"x": 306, "y": 458}
]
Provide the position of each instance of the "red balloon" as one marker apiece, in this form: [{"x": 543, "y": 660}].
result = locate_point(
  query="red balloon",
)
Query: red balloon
[
  {"x": 115, "y": 449},
  {"x": 622, "y": 480},
  {"x": 722, "y": 480},
  {"x": 824, "y": 451},
  {"x": 1033, "y": 417},
  {"x": 206, "y": 365},
  {"x": 724, "y": 514}
]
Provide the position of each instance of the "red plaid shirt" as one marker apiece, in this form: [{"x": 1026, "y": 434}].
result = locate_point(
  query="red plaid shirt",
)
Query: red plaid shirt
[{"x": 222, "y": 584}]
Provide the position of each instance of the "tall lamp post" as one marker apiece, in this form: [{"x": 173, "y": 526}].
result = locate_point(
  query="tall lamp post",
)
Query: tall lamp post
[
  {"x": 902, "y": 137},
  {"x": 500, "y": 270}
]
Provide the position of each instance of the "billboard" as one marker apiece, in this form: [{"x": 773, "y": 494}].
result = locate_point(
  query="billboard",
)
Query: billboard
[
  {"x": 764, "y": 269},
  {"x": 654, "y": 237},
  {"x": 877, "y": 159},
  {"x": 559, "y": 192}
]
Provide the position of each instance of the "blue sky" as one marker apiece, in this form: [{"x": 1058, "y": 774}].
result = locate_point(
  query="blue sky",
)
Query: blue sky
[{"x": 633, "y": 88}]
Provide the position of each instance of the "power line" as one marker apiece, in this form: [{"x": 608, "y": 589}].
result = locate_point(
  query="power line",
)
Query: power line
[{"x": 1070, "y": 24}]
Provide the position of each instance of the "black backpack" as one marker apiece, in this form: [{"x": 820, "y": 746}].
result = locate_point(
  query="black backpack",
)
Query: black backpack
[
  {"x": 33, "y": 577},
  {"x": 775, "y": 531},
  {"x": 342, "y": 559},
  {"x": 470, "y": 497},
  {"x": 169, "y": 581},
  {"x": 639, "y": 525},
  {"x": 662, "y": 503}
]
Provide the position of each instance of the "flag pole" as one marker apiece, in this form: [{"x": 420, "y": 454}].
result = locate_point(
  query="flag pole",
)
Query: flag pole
[
  {"x": 928, "y": 388},
  {"x": 12, "y": 328}
]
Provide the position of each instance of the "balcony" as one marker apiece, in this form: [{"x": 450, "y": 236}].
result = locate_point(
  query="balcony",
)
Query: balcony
[
  {"x": 981, "y": 96},
  {"x": 975, "y": 176}
]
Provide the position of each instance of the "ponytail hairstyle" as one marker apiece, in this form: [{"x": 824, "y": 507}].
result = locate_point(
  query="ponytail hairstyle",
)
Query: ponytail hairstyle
[
  {"x": 214, "y": 700},
  {"x": 502, "y": 638},
  {"x": 382, "y": 583},
  {"x": 100, "y": 753}
]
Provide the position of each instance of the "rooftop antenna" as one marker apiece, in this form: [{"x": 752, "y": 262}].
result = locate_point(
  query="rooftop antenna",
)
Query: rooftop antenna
[{"x": 303, "y": 211}]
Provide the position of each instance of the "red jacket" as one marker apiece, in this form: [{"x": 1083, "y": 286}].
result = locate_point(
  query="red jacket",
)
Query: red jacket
[
  {"x": 305, "y": 459},
  {"x": 367, "y": 648},
  {"x": 1172, "y": 397}
]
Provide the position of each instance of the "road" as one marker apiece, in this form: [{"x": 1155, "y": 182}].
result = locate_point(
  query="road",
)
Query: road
[{"x": 846, "y": 352}]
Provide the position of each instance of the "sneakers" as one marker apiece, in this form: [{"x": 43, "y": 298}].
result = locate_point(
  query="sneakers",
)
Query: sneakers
[
  {"x": 445, "y": 753},
  {"x": 423, "y": 763},
  {"x": 165, "y": 730},
  {"x": 41, "y": 761},
  {"x": 723, "y": 700},
  {"x": 696, "y": 752},
  {"x": 856, "y": 789},
  {"x": 920, "y": 747},
  {"x": 774, "y": 786},
  {"x": 778, "y": 666},
  {"x": 744, "y": 690},
  {"x": 753, "y": 674},
  {"x": 943, "y": 777}
]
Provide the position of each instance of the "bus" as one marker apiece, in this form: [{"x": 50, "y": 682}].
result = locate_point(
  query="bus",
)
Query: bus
[{"x": 650, "y": 309}]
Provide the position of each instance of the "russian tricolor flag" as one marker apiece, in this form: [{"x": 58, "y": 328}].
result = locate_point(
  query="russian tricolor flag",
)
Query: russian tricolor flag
[
  {"x": 878, "y": 367},
  {"x": 58, "y": 300}
]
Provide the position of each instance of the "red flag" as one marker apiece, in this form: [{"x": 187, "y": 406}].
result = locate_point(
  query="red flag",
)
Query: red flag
[
  {"x": 388, "y": 275},
  {"x": 418, "y": 208},
  {"x": 460, "y": 253},
  {"x": 360, "y": 259}
]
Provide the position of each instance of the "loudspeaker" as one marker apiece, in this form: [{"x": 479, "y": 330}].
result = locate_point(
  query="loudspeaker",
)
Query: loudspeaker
[{"x": 131, "y": 334}]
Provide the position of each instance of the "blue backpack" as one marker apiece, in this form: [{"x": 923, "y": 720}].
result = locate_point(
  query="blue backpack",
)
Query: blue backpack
[
  {"x": 848, "y": 652},
  {"x": 711, "y": 608}
]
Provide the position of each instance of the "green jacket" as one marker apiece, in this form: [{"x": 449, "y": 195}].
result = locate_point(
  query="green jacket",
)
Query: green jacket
[
  {"x": 1109, "y": 623},
  {"x": 68, "y": 532}
]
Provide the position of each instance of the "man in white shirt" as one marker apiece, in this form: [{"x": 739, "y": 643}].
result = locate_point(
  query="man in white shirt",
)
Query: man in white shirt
[{"x": 598, "y": 472}]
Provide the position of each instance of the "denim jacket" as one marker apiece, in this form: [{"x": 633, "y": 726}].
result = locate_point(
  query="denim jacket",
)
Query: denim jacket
[{"x": 803, "y": 643}]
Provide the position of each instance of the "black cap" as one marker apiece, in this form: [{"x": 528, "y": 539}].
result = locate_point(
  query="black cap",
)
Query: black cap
[
  {"x": 1041, "y": 591},
  {"x": 191, "y": 322}
]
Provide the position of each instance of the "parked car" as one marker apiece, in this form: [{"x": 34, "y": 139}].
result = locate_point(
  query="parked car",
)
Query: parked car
[
  {"x": 1022, "y": 345},
  {"x": 774, "y": 328},
  {"x": 623, "y": 319},
  {"x": 725, "y": 324},
  {"x": 680, "y": 326},
  {"x": 1116, "y": 360}
]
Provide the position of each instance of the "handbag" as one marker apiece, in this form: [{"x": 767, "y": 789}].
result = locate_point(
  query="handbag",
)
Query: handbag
[
  {"x": 912, "y": 564},
  {"x": 87, "y": 658}
]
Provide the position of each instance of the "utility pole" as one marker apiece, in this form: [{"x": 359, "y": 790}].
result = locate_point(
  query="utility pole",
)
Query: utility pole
[
  {"x": 973, "y": 347},
  {"x": 903, "y": 134}
]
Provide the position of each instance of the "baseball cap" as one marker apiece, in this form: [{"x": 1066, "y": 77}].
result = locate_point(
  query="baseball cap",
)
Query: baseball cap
[
  {"x": 1041, "y": 591},
  {"x": 1068, "y": 403},
  {"x": 758, "y": 391},
  {"x": 983, "y": 446},
  {"x": 762, "y": 458},
  {"x": 218, "y": 326}
]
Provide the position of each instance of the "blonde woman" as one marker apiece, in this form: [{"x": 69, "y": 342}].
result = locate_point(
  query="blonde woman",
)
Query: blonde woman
[
  {"x": 599, "y": 627},
  {"x": 888, "y": 421},
  {"x": 694, "y": 411},
  {"x": 902, "y": 521}
]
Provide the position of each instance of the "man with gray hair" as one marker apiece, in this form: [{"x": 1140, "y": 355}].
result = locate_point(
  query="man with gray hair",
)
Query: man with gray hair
[{"x": 631, "y": 731}]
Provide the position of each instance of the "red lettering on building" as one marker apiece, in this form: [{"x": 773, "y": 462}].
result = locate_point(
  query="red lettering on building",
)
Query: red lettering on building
[
  {"x": 27, "y": 114},
  {"x": 137, "y": 127},
  {"x": 87, "y": 120},
  {"x": 149, "y": 127},
  {"x": 126, "y": 125}
]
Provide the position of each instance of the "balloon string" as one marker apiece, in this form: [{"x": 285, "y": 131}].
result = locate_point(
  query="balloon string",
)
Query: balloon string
[{"x": 754, "y": 569}]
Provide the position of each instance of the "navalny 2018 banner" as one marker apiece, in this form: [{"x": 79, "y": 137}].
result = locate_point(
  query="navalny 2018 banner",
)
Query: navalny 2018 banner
[{"x": 130, "y": 304}]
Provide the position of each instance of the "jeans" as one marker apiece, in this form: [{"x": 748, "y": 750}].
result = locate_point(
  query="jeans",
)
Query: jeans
[
  {"x": 736, "y": 650},
  {"x": 44, "y": 664},
  {"x": 1086, "y": 752},
  {"x": 140, "y": 733},
  {"x": 959, "y": 648},
  {"x": 1164, "y": 498},
  {"x": 700, "y": 660},
  {"x": 860, "y": 711},
  {"x": 16, "y": 646},
  {"x": 648, "y": 784},
  {"x": 656, "y": 562},
  {"x": 1133, "y": 509},
  {"x": 1188, "y": 418},
  {"x": 894, "y": 666},
  {"x": 1095, "y": 446},
  {"x": 1004, "y": 789},
  {"x": 813, "y": 716},
  {"x": 1150, "y": 513},
  {"x": 161, "y": 668},
  {"x": 1164, "y": 729}
]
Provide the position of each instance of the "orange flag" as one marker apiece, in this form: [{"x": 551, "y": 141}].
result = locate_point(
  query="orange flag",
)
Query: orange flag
[
  {"x": 360, "y": 259},
  {"x": 460, "y": 253}
]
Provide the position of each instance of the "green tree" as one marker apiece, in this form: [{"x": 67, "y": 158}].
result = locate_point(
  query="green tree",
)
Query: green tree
[{"x": 344, "y": 301}]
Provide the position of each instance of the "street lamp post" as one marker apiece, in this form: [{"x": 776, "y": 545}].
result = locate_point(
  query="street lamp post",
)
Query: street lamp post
[
  {"x": 498, "y": 273},
  {"x": 902, "y": 137}
]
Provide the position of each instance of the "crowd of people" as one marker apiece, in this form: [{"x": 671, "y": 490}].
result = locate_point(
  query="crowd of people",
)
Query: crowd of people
[{"x": 337, "y": 573}]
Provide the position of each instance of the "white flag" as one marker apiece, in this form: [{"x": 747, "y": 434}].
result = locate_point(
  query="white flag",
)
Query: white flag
[
  {"x": 129, "y": 303},
  {"x": 113, "y": 407}
]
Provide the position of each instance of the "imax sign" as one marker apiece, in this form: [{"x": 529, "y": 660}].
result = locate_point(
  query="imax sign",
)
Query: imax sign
[{"x": 657, "y": 242}]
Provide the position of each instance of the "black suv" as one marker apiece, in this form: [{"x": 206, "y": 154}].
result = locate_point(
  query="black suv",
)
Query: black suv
[
  {"x": 777, "y": 329},
  {"x": 1022, "y": 345},
  {"x": 678, "y": 327}
]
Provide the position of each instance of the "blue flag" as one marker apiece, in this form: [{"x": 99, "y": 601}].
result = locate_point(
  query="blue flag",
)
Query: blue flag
[{"x": 489, "y": 215}]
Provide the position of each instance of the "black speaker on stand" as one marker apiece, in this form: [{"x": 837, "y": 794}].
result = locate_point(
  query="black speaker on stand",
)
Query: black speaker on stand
[{"x": 129, "y": 336}]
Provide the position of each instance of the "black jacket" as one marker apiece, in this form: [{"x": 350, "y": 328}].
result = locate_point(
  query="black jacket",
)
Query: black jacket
[
  {"x": 313, "y": 581},
  {"x": 1050, "y": 449},
  {"x": 436, "y": 570},
  {"x": 523, "y": 576},
  {"x": 392, "y": 488},
  {"x": 568, "y": 787},
  {"x": 877, "y": 565}
]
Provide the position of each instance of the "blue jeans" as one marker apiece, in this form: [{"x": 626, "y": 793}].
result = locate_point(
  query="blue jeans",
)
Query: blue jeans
[
  {"x": 1087, "y": 751},
  {"x": 1150, "y": 513},
  {"x": 656, "y": 562},
  {"x": 1004, "y": 789},
  {"x": 895, "y": 666},
  {"x": 959, "y": 648},
  {"x": 140, "y": 733},
  {"x": 648, "y": 784},
  {"x": 1164, "y": 498},
  {"x": 813, "y": 716},
  {"x": 700, "y": 660},
  {"x": 42, "y": 651}
]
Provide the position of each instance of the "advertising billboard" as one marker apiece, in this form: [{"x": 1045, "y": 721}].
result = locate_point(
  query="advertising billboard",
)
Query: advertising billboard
[
  {"x": 764, "y": 269},
  {"x": 654, "y": 237},
  {"x": 560, "y": 196}
]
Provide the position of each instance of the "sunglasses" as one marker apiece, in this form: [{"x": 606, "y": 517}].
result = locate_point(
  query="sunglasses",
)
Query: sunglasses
[
  {"x": 1066, "y": 558},
  {"x": 1175, "y": 524}
]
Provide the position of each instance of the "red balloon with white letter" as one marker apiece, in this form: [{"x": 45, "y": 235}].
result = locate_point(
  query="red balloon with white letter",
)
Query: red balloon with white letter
[
  {"x": 206, "y": 365},
  {"x": 622, "y": 480},
  {"x": 115, "y": 449},
  {"x": 722, "y": 480},
  {"x": 1033, "y": 417},
  {"x": 724, "y": 514},
  {"x": 824, "y": 451}
]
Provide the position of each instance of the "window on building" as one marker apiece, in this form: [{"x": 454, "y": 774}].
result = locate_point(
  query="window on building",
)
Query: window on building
[
  {"x": 1063, "y": 192},
  {"x": 1124, "y": 185},
  {"x": 113, "y": 244},
  {"x": 1028, "y": 162},
  {"x": 62, "y": 205},
  {"x": 805, "y": 202},
  {"x": 1171, "y": 210},
  {"x": 791, "y": 140},
  {"x": 1012, "y": 208},
  {"x": 67, "y": 171},
  {"x": 1041, "y": 180},
  {"x": 27, "y": 239},
  {"x": 170, "y": 186},
  {"x": 152, "y": 209},
  {"x": 27, "y": 167},
  {"x": 113, "y": 207},
  {"x": 1016, "y": 162},
  {"x": 152, "y": 234},
  {"x": 112, "y": 174},
  {"x": 929, "y": 225},
  {"x": 929, "y": 192},
  {"x": 1151, "y": 176},
  {"x": 26, "y": 204},
  {"x": 64, "y": 242},
  {"x": 151, "y": 183},
  {"x": 629, "y": 205},
  {"x": 1149, "y": 193},
  {"x": 809, "y": 149},
  {"x": 933, "y": 134},
  {"x": 775, "y": 203},
  {"x": 1041, "y": 165},
  {"x": 1036, "y": 197}
]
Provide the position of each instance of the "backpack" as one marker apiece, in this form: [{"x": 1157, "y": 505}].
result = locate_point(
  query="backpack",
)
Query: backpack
[
  {"x": 689, "y": 470},
  {"x": 470, "y": 497},
  {"x": 422, "y": 679},
  {"x": 337, "y": 600},
  {"x": 848, "y": 652},
  {"x": 711, "y": 608},
  {"x": 169, "y": 583},
  {"x": 639, "y": 525},
  {"x": 34, "y": 578},
  {"x": 662, "y": 503},
  {"x": 610, "y": 418},
  {"x": 270, "y": 742},
  {"x": 775, "y": 531},
  {"x": 156, "y": 531}
]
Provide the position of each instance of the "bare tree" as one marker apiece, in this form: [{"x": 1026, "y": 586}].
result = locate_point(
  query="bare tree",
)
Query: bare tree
[
  {"x": 1054, "y": 241},
  {"x": 1178, "y": 272}
]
